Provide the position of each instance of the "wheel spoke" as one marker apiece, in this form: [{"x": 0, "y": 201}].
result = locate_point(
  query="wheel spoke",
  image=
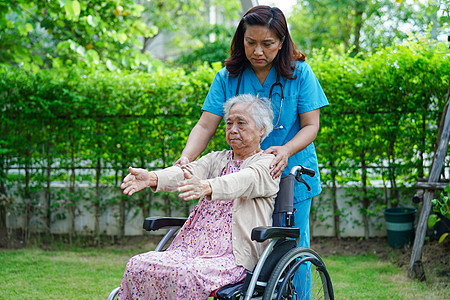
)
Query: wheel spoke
[{"x": 283, "y": 284}]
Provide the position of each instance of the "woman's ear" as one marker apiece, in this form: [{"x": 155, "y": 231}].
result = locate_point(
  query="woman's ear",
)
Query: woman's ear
[{"x": 261, "y": 132}]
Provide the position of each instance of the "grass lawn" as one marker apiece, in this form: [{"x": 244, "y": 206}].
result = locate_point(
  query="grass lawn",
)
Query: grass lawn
[
  {"x": 368, "y": 277},
  {"x": 92, "y": 273}
]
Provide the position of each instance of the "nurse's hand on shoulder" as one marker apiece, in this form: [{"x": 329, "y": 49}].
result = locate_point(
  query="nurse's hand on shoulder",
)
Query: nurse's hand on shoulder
[
  {"x": 182, "y": 161},
  {"x": 280, "y": 161}
]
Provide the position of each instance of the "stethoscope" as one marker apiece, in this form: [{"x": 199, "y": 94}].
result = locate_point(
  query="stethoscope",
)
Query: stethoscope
[{"x": 270, "y": 96}]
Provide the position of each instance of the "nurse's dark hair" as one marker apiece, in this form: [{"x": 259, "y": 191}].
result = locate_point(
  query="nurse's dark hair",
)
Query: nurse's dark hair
[{"x": 273, "y": 18}]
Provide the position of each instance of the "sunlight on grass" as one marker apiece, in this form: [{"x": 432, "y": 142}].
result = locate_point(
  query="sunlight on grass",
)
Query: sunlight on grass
[
  {"x": 92, "y": 274},
  {"x": 38, "y": 274},
  {"x": 368, "y": 277}
]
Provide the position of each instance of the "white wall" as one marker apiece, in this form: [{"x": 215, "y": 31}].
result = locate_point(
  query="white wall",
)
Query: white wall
[{"x": 322, "y": 219}]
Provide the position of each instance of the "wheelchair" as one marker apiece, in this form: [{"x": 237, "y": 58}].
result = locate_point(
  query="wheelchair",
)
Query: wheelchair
[{"x": 281, "y": 260}]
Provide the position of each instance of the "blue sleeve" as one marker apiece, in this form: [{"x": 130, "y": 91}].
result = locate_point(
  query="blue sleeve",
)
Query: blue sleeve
[
  {"x": 217, "y": 95},
  {"x": 311, "y": 95}
]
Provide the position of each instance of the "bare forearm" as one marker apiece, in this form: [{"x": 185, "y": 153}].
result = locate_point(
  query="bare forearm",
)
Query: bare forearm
[
  {"x": 307, "y": 134},
  {"x": 200, "y": 135},
  {"x": 197, "y": 141},
  {"x": 302, "y": 139}
]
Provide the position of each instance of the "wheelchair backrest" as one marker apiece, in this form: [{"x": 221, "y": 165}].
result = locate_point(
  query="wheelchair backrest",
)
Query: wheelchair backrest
[{"x": 284, "y": 202}]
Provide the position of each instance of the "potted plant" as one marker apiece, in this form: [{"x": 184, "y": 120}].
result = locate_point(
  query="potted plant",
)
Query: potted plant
[{"x": 440, "y": 219}]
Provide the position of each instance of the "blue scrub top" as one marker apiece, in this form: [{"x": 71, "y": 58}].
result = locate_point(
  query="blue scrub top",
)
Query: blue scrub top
[{"x": 301, "y": 95}]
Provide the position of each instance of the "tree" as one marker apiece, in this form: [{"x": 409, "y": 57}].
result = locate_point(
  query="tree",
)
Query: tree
[
  {"x": 38, "y": 34},
  {"x": 355, "y": 26},
  {"x": 207, "y": 38},
  {"x": 114, "y": 33}
]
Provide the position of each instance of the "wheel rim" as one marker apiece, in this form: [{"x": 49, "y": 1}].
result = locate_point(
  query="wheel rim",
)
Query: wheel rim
[
  {"x": 284, "y": 284},
  {"x": 286, "y": 289}
]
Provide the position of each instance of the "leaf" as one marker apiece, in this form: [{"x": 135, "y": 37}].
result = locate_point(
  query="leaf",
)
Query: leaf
[
  {"x": 92, "y": 56},
  {"x": 69, "y": 9},
  {"x": 76, "y": 8},
  {"x": 122, "y": 38},
  {"x": 110, "y": 65},
  {"x": 29, "y": 27},
  {"x": 432, "y": 220},
  {"x": 442, "y": 238},
  {"x": 118, "y": 11},
  {"x": 92, "y": 20}
]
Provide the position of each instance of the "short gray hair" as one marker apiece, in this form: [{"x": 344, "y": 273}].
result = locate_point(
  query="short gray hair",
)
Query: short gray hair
[{"x": 261, "y": 111}]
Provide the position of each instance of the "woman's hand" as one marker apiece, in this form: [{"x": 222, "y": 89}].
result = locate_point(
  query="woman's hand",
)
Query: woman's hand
[
  {"x": 182, "y": 161},
  {"x": 280, "y": 161},
  {"x": 192, "y": 187},
  {"x": 137, "y": 180}
]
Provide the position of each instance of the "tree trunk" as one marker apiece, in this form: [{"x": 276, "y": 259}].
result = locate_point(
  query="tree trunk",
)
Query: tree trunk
[
  {"x": 336, "y": 212},
  {"x": 392, "y": 175},
  {"x": 27, "y": 197},
  {"x": 358, "y": 26},
  {"x": 3, "y": 197},
  {"x": 98, "y": 200},
  {"x": 365, "y": 199},
  {"x": 48, "y": 216},
  {"x": 72, "y": 201}
]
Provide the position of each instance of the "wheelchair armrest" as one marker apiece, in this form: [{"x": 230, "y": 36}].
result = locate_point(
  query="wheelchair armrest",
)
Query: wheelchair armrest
[
  {"x": 155, "y": 223},
  {"x": 260, "y": 234}
]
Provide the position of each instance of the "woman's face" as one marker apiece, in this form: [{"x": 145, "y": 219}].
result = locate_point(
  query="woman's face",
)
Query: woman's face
[
  {"x": 241, "y": 132},
  {"x": 261, "y": 47}
]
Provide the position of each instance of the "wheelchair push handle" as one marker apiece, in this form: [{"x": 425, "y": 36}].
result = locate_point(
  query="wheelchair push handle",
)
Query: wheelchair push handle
[
  {"x": 302, "y": 170},
  {"x": 297, "y": 171}
]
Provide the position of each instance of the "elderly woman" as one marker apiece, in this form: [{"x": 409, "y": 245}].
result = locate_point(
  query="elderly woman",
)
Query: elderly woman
[{"x": 213, "y": 248}]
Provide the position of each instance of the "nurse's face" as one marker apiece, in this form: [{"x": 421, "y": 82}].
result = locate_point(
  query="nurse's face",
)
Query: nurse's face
[
  {"x": 241, "y": 131},
  {"x": 261, "y": 47}
]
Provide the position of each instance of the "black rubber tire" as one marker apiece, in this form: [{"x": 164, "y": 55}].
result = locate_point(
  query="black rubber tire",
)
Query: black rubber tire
[{"x": 321, "y": 287}]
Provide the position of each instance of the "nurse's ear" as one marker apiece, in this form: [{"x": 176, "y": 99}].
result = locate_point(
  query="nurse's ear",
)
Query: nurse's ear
[{"x": 281, "y": 43}]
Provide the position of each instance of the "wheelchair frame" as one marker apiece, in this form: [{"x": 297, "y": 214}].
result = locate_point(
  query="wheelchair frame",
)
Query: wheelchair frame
[{"x": 279, "y": 284}]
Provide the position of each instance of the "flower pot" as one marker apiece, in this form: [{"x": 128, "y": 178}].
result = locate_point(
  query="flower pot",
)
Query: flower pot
[{"x": 400, "y": 225}]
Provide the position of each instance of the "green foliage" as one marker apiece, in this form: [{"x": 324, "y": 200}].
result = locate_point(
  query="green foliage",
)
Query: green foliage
[
  {"x": 442, "y": 207},
  {"x": 62, "y": 33},
  {"x": 206, "y": 40},
  {"x": 101, "y": 34},
  {"x": 209, "y": 52},
  {"x": 54, "y": 125},
  {"x": 84, "y": 126},
  {"x": 356, "y": 26},
  {"x": 382, "y": 119}
]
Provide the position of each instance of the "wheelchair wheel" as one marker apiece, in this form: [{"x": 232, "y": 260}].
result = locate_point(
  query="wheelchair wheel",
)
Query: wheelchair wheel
[{"x": 281, "y": 286}]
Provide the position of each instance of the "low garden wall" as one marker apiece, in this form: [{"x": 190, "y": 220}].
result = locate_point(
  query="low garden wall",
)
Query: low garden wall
[{"x": 84, "y": 221}]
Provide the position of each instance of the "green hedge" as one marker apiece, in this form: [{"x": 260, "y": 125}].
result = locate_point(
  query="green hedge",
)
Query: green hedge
[
  {"x": 382, "y": 120},
  {"x": 381, "y": 125}
]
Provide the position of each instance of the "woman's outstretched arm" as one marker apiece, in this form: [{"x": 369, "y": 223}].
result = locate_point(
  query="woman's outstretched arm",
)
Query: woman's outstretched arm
[{"x": 137, "y": 180}]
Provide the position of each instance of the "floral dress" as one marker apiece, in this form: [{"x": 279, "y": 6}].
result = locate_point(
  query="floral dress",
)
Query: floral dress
[{"x": 199, "y": 260}]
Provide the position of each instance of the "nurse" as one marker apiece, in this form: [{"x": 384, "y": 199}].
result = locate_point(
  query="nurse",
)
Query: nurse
[{"x": 264, "y": 62}]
